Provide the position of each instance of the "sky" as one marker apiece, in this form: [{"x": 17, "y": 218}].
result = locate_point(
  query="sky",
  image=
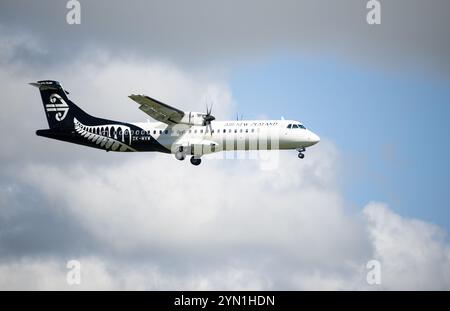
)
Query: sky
[{"x": 374, "y": 188}]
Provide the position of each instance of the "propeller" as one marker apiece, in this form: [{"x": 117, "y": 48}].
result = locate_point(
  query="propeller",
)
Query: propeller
[{"x": 208, "y": 117}]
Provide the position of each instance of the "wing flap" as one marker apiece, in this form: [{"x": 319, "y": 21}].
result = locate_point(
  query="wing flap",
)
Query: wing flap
[{"x": 158, "y": 110}]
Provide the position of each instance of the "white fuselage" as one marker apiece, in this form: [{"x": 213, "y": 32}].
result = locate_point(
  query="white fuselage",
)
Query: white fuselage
[{"x": 233, "y": 135}]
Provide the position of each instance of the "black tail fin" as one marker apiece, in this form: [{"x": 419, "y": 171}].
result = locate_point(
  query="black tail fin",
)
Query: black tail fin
[{"x": 59, "y": 109}]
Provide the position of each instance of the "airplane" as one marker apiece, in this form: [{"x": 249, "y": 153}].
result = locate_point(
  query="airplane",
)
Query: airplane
[{"x": 182, "y": 133}]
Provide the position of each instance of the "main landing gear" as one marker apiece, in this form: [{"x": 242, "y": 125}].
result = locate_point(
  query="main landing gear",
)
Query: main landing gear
[
  {"x": 180, "y": 154},
  {"x": 301, "y": 155},
  {"x": 195, "y": 161}
]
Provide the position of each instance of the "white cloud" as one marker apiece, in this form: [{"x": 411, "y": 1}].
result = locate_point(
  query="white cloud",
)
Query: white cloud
[
  {"x": 171, "y": 226},
  {"x": 215, "y": 232},
  {"x": 149, "y": 200},
  {"x": 414, "y": 254},
  {"x": 101, "y": 83},
  {"x": 51, "y": 274}
]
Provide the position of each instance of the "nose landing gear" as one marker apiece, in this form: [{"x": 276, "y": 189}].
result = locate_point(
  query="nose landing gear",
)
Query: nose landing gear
[
  {"x": 301, "y": 155},
  {"x": 181, "y": 153}
]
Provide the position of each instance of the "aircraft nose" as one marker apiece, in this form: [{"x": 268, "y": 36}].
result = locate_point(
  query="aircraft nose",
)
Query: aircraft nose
[{"x": 314, "y": 138}]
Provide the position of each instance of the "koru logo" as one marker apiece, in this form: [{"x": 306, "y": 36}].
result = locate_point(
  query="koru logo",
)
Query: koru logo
[{"x": 58, "y": 105}]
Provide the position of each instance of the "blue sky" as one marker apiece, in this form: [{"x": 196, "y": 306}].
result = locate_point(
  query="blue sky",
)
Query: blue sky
[{"x": 389, "y": 127}]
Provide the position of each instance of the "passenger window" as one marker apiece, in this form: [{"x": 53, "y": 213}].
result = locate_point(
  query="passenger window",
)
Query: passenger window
[
  {"x": 253, "y": 130},
  {"x": 240, "y": 130},
  {"x": 160, "y": 132},
  {"x": 201, "y": 131},
  {"x": 246, "y": 130},
  {"x": 235, "y": 130},
  {"x": 224, "y": 130},
  {"x": 166, "y": 131}
]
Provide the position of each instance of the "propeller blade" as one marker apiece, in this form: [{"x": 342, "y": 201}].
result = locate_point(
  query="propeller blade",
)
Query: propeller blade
[
  {"x": 208, "y": 117},
  {"x": 210, "y": 129}
]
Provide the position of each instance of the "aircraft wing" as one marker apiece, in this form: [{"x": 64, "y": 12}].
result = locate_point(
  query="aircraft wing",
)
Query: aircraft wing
[{"x": 158, "y": 110}]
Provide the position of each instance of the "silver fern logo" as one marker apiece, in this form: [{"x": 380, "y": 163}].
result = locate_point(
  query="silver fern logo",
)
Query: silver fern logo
[
  {"x": 115, "y": 137},
  {"x": 58, "y": 105}
]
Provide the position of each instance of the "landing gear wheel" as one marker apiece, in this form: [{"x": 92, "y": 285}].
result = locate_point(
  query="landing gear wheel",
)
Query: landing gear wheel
[
  {"x": 195, "y": 161},
  {"x": 301, "y": 155},
  {"x": 180, "y": 155}
]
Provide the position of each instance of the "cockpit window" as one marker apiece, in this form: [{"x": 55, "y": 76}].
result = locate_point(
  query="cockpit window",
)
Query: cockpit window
[{"x": 296, "y": 126}]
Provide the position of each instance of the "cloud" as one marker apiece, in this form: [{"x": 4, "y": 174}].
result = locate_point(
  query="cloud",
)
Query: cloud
[
  {"x": 176, "y": 231},
  {"x": 412, "y": 34},
  {"x": 182, "y": 229},
  {"x": 179, "y": 207},
  {"x": 415, "y": 255},
  {"x": 96, "y": 274},
  {"x": 17, "y": 46}
]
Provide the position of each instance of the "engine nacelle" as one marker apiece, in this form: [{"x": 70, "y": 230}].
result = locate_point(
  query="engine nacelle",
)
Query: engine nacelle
[{"x": 193, "y": 118}]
